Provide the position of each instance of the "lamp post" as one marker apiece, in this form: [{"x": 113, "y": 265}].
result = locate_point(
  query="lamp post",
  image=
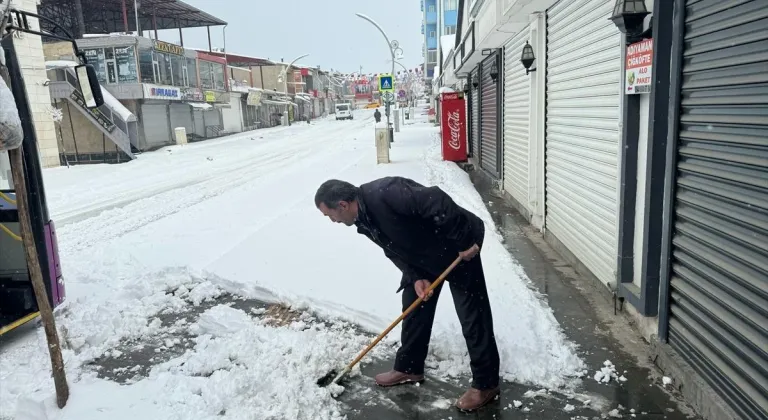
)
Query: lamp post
[
  {"x": 393, "y": 45},
  {"x": 284, "y": 75}
]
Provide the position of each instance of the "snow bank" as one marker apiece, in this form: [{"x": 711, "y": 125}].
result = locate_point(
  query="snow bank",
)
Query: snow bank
[{"x": 11, "y": 133}]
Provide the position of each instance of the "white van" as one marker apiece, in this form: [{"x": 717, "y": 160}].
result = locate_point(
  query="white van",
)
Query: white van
[{"x": 343, "y": 112}]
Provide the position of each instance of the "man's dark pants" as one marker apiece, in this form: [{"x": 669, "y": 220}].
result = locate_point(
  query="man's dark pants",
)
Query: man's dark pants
[{"x": 470, "y": 297}]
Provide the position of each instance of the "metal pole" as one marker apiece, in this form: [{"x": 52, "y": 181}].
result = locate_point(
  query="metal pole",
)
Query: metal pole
[
  {"x": 136, "y": 14},
  {"x": 125, "y": 17},
  {"x": 391, "y": 53}
]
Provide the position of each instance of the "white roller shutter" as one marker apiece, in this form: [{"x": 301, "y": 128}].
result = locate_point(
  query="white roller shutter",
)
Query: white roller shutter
[
  {"x": 582, "y": 131},
  {"x": 181, "y": 116},
  {"x": 517, "y": 98},
  {"x": 489, "y": 120},
  {"x": 157, "y": 128}
]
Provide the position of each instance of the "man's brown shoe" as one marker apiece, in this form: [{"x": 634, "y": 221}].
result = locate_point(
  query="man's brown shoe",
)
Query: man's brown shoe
[
  {"x": 394, "y": 377},
  {"x": 473, "y": 399}
]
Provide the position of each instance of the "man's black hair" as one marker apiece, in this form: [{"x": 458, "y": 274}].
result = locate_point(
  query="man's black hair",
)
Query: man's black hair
[{"x": 333, "y": 191}]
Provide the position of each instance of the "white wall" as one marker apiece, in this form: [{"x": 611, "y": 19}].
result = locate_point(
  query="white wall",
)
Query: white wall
[{"x": 29, "y": 49}]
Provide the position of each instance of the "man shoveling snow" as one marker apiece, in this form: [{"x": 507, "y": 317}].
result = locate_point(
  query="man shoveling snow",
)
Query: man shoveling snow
[{"x": 422, "y": 230}]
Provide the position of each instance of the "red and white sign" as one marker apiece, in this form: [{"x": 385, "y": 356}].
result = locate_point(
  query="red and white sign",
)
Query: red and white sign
[
  {"x": 453, "y": 126},
  {"x": 638, "y": 67}
]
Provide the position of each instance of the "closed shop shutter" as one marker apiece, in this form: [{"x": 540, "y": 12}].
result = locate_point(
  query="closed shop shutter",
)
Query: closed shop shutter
[
  {"x": 489, "y": 133},
  {"x": 475, "y": 134},
  {"x": 582, "y": 131},
  {"x": 517, "y": 89},
  {"x": 157, "y": 129},
  {"x": 232, "y": 115},
  {"x": 181, "y": 116},
  {"x": 719, "y": 254}
]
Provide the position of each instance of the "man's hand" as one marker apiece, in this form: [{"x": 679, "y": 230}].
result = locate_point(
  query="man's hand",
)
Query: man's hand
[
  {"x": 421, "y": 287},
  {"x": 470, "y": 253}
]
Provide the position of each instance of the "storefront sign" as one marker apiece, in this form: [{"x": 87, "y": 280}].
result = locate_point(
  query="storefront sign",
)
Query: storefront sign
[
  {"x": 168, "y": 48},
  {"x": 639, "y": 65},
  {"x": 162, "y": 92},
  {"x": 191, "y": 94},
  {"x": 95, "y": 112},
  {"x": 254, "y": 98},
  {"x": 210, "y": 96}
]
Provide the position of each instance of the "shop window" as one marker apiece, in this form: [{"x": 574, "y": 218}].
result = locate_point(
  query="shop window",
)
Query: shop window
[
  {"x": 109, "y": 58},
  {"x": 192, "y": 72},
  {"x": 95, "y": 57},
  {"x": 177, "y": 66},
  {"x": 125, "y": 58},
  {"x": 146, "y": 66},
  {"x": 164, "y": 66},
  {"x": 206, "y": 75},
  {"x": 218, "y": 77}
]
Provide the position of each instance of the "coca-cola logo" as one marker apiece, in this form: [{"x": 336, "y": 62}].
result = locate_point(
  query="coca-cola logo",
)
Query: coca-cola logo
[{"x": 454, "y": 125}]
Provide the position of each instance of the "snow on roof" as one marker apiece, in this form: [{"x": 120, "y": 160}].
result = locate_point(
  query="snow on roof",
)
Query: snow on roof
[{"x": 57, "y": 64}]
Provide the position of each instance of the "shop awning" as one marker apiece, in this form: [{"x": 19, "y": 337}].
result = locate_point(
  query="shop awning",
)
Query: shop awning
[
  {"x": 200, "y": 105},
  {"x": 302, "y": 98}
]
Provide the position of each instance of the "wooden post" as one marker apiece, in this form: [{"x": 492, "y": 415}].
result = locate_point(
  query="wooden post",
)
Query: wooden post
[{"x": 33, "y": 264}]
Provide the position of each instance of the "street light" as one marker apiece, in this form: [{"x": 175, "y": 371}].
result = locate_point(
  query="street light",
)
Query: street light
[
  {"x": 284, "y": 76},
  {"x": 393, "y": 45}
]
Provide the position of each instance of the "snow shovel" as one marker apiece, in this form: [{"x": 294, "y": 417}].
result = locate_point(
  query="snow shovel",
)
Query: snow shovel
[{"x": 333, "y": 377}]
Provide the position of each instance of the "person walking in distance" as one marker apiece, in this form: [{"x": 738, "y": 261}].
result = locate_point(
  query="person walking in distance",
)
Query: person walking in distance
[
  {"x": 422, "y": 230},
  {"x": 377, "y": 115}
]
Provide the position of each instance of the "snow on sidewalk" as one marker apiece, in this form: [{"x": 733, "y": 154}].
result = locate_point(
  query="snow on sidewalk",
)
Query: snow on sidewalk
[{"x": 237, "y": 215}]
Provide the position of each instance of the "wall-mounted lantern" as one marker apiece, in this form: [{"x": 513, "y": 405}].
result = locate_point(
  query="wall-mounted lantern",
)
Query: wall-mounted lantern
[
  {"x": 466, "y": 88},
  {"x": 475, "y": 82},
  {"x": 628, "y": 16},
  {"x": 494, "y": 71},
  {"x": 527, "y": 58}
]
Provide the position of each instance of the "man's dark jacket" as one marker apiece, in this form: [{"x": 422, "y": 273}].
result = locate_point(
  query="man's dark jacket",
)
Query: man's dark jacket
[
  {"x": 377, "y": 115},
  {"x": 421, "y": 229}
]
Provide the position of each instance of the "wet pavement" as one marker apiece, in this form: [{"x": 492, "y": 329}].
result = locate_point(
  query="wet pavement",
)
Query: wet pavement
[{"x": 587, "y": 319}]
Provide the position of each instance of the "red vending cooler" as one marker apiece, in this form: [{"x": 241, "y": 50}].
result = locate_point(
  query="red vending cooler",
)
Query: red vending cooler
[{"x": 453, "y": 126}]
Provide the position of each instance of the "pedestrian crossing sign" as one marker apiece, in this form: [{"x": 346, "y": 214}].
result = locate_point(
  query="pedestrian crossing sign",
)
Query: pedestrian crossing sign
[{"x": 386, "y": 83}]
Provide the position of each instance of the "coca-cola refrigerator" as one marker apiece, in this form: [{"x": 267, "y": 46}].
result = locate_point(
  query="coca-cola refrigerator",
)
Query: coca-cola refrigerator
[{"x": 453, "y": 126}]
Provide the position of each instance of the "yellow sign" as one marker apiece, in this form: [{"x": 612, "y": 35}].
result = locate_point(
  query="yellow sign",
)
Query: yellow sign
[
  {"x": 168, "y": 48},
  {"x": 210, "y": 96},
  {"x": 254, "y": 98}
]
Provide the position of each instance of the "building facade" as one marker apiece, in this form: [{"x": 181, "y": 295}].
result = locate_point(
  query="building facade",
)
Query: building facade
[
  {"x": 640, "y": 154},
  {"x": 439, "y": 18}
]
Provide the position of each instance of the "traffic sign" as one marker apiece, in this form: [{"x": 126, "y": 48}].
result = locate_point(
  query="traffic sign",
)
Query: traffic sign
[
  {"x": 388, "y": 97},
  {"x": 386, "y": 83}
]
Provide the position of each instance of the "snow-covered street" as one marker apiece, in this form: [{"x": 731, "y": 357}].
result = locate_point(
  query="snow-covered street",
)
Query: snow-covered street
[{"x": 235, "y": 216}]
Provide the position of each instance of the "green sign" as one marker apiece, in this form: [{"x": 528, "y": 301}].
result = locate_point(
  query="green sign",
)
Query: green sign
[{"x": 386, "y": 83}]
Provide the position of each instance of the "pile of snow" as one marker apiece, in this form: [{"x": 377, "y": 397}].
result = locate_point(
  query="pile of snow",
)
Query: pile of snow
[{"x": 608, "y": 373}]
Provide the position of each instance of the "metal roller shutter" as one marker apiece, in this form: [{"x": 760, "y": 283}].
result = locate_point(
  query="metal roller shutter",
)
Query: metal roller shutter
[
  {"x": 517, "y": 88},
  {"x": 719, "y": 264},
  {"x": 157, "y": 129},
  {"x": 475, "y": 134},
  {"x": 489, "y": 109},
  {"x": 582, "y": 131},
  {"x": 181, "y": 116}
]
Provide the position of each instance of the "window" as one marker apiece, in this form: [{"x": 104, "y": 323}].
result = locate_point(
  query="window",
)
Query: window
[
  {"x": 125, "y": 57},
  {"x": 451, "y": 4},
  {"x": 146, "y": 66},
  {"x": 206, "y": 75},
  {"x": 95, "y": 57},
  {"x": 431, "y": 8},
  {"x": 164, "y": 68},
  {"x": 192, "y": 72},
  {"x": 432, "y": 56},
  {"x": 109, "y": 55},
  {"x": 450, "y": 30},
  {"x": 179, "y": 74},
  {"x": 432, "y": 34},
  {"x": 218, "y": 76}
]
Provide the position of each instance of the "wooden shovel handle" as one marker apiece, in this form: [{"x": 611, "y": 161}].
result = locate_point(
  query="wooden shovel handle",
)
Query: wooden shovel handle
[{"x": 402, "y": 316}]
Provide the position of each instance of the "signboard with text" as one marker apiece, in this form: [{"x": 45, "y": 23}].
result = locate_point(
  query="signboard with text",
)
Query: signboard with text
[
  {"x": 168, "y": 48},
  {"x": 170, "y": 93},
  {"x": 638, "y": 67}
]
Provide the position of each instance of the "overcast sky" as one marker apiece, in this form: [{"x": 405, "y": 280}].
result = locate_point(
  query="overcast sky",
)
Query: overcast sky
[{"x": 328, "y": 30}]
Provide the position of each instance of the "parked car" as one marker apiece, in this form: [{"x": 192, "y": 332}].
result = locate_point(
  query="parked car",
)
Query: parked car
[{"x": 343, "y": 112}]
